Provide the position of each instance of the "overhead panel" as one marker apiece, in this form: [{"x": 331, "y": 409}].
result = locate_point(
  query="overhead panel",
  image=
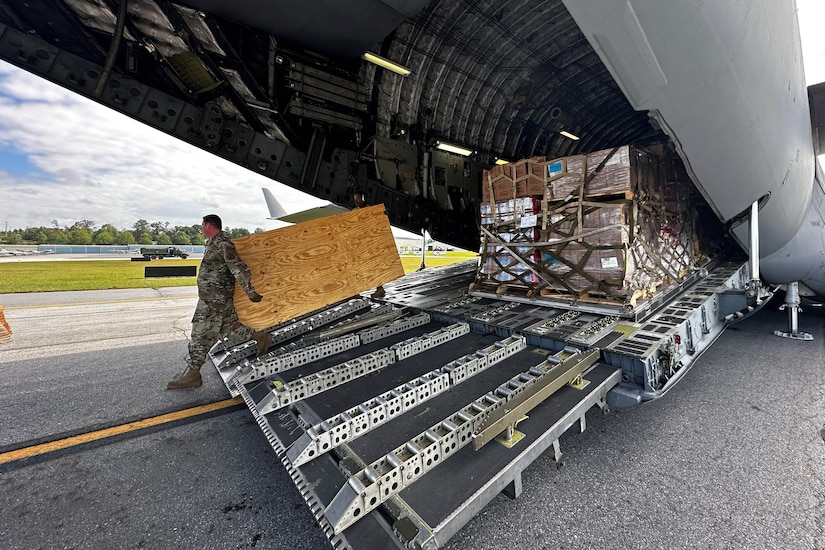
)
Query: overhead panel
[
  {"x": 149, "y": 19},
  {"x": 96, "y": 16},
  {"x": 196, "y": 22},
  {"x": 331, "y": 27}
]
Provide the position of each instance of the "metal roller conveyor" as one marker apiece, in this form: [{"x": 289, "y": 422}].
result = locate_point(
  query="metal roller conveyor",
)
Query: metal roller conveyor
[
  {"x": 283, "y": 394},
  {"x": 401, "y": 325},
  {"x": 378, "y": 410},
  {"x": 270, "y": 364},
  {"x": 282, "y": 333},
  {"x": 470, "y": 365},
  {"x": 429, "y": 340},
  {"x": 367, "y": 416},
  {"x": 266, "y": 365},
  {"x": 386, "y": 477}
]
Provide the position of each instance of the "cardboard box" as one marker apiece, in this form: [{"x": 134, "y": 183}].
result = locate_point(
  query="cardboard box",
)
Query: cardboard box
[
  {"x": 520, "y": 211},
  {"x": 513, "y": 180},
  {"x": 605, "y": 172},
  {"x": 629, "y": 235}
]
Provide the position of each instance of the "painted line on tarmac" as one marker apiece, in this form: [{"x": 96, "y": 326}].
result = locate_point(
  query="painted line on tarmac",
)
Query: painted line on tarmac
[
  {"x": 60, "y": 444},
  {"x": 42, "y": 352},
  {"x": 101, "y": 302}
]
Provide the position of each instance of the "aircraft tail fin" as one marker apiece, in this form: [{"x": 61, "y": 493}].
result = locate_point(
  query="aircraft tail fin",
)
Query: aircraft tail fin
[{"x": 276, "y": 211}]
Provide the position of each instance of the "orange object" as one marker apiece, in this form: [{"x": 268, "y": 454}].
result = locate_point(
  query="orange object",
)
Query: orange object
[{"x": 5, "y": 329}]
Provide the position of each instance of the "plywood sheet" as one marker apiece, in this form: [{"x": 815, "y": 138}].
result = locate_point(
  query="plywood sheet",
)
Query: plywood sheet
[{"x": 307, "y": 266}]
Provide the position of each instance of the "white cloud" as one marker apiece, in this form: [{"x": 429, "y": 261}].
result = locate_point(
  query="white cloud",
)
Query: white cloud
[{"x": 99, "y": 165}]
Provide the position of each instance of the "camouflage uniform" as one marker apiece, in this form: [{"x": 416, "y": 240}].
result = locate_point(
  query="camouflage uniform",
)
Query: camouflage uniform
[{"x": 215, "y": 313}]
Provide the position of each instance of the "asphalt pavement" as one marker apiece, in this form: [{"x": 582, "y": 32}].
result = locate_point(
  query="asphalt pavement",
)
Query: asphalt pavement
[{"x": 732, "y": 457}]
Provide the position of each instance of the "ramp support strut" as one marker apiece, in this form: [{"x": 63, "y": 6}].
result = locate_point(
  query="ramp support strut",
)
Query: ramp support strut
[
  {"x": 754, "y": 248},
  {"x": 792, "y": 305}
]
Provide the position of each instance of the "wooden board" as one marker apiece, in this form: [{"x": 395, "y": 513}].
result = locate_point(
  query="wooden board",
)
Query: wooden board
[{"x": 307, "y": 266}]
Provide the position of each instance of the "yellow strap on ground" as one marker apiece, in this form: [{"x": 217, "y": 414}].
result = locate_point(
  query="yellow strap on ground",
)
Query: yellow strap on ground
[{"x": 52, "y": 446}]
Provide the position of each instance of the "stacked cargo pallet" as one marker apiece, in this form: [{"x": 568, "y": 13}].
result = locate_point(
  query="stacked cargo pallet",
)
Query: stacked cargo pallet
[{"x": 611, "y": 225}]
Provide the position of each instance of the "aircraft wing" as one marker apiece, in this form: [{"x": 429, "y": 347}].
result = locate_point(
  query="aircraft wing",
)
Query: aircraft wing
[
  {"x": 314, "y": 213},
  {"x": 277, "y": 212}
]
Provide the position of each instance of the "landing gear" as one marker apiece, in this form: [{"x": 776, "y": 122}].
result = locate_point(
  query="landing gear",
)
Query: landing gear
[{"x": 792, "y": 305}]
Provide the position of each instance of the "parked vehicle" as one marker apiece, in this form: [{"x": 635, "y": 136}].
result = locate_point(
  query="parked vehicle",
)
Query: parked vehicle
[{"x": 155, "y": 253}]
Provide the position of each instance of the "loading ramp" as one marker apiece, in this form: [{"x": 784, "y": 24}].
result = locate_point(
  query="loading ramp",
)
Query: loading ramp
[{"x": 380, "y": 427}]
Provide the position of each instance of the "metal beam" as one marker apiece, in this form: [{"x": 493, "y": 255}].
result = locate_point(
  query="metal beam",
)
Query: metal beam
[{"x": 556, "y": 374}]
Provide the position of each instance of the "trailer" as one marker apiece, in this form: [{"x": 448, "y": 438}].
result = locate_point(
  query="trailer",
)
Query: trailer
[{"x": 156, "y": 253}]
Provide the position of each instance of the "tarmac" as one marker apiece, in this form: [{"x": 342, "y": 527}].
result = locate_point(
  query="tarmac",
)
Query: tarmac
[{"x": 732, "y": 457}]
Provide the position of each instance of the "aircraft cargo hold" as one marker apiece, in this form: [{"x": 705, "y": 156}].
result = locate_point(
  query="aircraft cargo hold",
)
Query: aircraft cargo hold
[{"x": 615, "y": 224}]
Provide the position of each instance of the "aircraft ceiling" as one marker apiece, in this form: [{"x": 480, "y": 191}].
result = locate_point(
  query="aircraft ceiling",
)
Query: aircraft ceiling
[{"x": 501, "y": 77}]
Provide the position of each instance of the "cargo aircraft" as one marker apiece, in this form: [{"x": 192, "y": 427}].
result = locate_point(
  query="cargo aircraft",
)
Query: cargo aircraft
[{"x": 406, "y": 104}]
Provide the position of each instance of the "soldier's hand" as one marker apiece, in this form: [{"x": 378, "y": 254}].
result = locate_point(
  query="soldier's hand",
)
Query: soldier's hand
[{"x": 255, "y": 297}]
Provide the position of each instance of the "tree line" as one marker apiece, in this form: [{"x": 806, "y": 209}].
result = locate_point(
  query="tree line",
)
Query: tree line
[{"x": 84, "y": 232}]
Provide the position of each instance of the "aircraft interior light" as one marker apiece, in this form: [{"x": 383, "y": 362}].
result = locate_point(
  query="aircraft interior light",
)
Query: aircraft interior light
[
  {"x": 385, "y": 63},
  {"x": 568, "y": 135},
  {"x": 450, "y": 148}
]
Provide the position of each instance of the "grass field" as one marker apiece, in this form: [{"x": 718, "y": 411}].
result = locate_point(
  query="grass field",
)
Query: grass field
[
  {"x": 49, "y": 276},
  {"x": 413, "y": 262}
]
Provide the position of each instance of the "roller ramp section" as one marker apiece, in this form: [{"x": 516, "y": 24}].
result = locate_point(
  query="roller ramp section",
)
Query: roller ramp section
[
  {"x": 399, "y": 419},
  {"x": 374, "y": 434},
  {"x": 362, "y": 498}
]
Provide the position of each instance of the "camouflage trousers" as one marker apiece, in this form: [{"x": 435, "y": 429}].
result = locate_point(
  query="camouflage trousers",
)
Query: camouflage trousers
[{"x": 213, "y": 320}]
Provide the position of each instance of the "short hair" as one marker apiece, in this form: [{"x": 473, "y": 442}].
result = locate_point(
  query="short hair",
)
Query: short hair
[{"x": 214, "y": 220}]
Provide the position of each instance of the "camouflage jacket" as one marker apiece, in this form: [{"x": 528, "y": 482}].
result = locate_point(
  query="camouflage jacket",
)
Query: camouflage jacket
[{"x": 220, "y": 268}]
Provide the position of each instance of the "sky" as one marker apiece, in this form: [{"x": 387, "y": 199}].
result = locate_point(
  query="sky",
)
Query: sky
[{"x": 64, "y": 158}]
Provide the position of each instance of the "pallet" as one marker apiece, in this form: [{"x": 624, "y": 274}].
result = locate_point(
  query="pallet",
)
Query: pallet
[
  {"x": 587, "y": 296},
  {"x": 605, "y": 196},
  {"x": 523, "y": 291},
  {"x": 503, "y": 289}
]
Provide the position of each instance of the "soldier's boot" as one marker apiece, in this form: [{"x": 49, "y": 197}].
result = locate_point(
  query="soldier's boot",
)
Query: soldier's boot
[
  {"x": 189, "y": 379},
  {"x": 264, "y": 339}
]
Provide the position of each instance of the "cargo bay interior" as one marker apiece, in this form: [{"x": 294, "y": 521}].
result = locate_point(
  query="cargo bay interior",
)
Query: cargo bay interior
[{"x": 603, "y": 272}]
